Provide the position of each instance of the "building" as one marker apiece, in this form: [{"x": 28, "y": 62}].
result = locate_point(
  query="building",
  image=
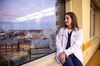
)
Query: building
[
  {"x": 23, "y": 45},
  {"x": 34, "y": 34},
  {"x": 7, "y": 47}
]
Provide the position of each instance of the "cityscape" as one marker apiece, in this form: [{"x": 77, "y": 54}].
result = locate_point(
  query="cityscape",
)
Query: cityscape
[
  {"x": 27, "y": 30},
  {"x": 21, "y": 46}
]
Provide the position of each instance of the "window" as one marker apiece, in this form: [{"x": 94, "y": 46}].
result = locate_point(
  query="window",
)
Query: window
[
  {"x": 14, "y": 46},
  {"x": 8, "y": 46},
  {"x": 8, "y": 49},
  {"x": 29, "y": 27},
  {"x": 3, "y": 46}
]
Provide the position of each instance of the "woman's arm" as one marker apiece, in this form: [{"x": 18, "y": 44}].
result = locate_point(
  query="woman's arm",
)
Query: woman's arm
[
  {"x": 60, "y": 50},
  {"x": 59, "y": 38}
]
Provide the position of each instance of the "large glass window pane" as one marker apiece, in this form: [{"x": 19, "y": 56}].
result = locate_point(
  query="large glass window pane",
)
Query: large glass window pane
[{"x": 27, "y": 30}]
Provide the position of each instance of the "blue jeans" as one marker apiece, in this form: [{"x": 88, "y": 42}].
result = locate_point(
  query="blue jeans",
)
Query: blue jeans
[{"x": 72, "y": 60}]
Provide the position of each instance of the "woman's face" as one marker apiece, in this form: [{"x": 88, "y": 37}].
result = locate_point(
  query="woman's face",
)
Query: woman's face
[{"x": 68, "y": 20}]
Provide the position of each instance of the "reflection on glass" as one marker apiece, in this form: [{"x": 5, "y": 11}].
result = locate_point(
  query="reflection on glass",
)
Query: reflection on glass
[{"x": 27, "y": 30}]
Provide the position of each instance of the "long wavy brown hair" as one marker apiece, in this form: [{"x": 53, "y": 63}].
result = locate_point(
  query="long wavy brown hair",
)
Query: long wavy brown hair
[{"x": 74, "y": 20}]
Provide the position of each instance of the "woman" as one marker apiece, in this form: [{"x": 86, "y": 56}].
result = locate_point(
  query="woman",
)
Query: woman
[{"x": 68, "y": 42}]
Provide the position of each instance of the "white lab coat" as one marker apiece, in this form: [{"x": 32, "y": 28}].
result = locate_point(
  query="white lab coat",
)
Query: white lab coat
[{"x": 76, "y": 41}]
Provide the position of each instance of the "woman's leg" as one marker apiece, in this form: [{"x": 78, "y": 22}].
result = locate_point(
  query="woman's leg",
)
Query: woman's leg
[
  {"x": 68, "y": 62},
  {"x": 76, "y": 61}
]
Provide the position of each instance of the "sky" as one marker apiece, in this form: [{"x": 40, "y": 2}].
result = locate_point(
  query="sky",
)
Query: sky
[{"x": 10, "y": 10}]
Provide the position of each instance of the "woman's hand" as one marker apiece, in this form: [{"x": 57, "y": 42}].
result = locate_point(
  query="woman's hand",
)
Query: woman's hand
[{"x": 62, "y": 57}]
